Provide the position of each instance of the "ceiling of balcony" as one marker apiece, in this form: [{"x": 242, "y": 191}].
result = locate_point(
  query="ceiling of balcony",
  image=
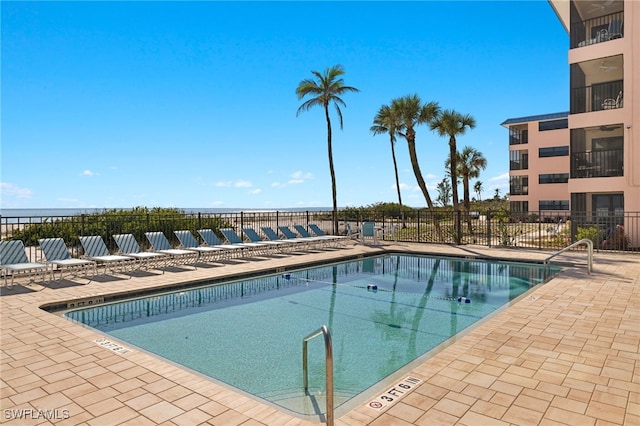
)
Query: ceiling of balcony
[
  {"x": 593, "y": 8},
  {"x": 603, "y": 69}
]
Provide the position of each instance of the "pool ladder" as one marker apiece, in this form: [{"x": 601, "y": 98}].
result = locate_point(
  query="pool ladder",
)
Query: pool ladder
[
  {"x": 328, "y": 349},
  {"x": 584, "y": 241}
]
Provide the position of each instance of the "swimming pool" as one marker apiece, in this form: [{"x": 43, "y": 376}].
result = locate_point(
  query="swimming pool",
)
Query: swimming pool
[{"x": 383, "y": 313}]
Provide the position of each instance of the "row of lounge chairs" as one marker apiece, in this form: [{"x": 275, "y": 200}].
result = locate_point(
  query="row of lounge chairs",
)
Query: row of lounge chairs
[{"x": 15, "y": 262}]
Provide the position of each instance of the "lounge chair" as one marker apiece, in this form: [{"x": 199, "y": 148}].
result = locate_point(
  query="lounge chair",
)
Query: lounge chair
[
  {"x": 160, "y": 244},
  {"x": 273, "y": 236},
  {"x": 254, "y": 237},
  {"x": 57, "y": 254},
  {"x": 290, "y": 235},
  {"x": 328, "y": 239},
  {"x": 189, "y": 242},
  {"x": 14, "y": 260},
  {"x": 233, "y": 238},
  {"x": 211, "y": 240},
  {"x": 369, "y": 231},
  {"x": 128, "y": 246},
  {"x": 95, "y": 249}
]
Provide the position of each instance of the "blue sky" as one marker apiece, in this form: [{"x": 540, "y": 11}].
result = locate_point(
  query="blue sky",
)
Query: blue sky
[{"x": 193, "y": 104}]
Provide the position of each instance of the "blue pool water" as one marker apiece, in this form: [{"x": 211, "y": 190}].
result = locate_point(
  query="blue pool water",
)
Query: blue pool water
[{"x": 383, "y": 313}]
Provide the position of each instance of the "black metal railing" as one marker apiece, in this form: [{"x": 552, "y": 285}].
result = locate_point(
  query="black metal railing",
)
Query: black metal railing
[
  {"x": 597, "y": 30},
  {"x": 597, "y": 97},
  {"x": 590, "y": 164},
  {"x": 540, "y": 230}
]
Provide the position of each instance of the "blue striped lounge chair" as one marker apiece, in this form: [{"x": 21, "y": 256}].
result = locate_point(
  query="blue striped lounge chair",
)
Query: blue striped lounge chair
[
  {"x": 95, "y": 249},
  {"x": 254, "y": 237},
  {"x": 211, "y": 240},
  {"x": 207, "y": 253},
  {"x": 14, "y": 261},
  {"x": 57, "y": 255},
  {"x": 326, "y": 240},
  {"x": 311, "y": 242},
  {"x": 128, "y": 246},
  {"x": 273, "y": 236},
  {"x": 160, "y": 244},
  {"x": 233, "y": 238}
]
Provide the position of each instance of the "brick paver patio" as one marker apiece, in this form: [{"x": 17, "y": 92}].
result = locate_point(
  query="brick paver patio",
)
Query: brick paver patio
[{"x": 567, "y": 353}]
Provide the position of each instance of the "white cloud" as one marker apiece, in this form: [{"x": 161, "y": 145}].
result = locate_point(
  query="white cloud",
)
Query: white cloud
[
  {"x": 299, "y": 177},
  {"x": 243, "y": 184},
  {"x": 10, "y": 190},
  {"x": 255, "y": 191},
  {"x": 224, "y": 184},
  {"x": 216, "y": 203},
  {"x": 278, "y": 185},
  {"x": 402, "y": 186},
  {"x": 502, "y": 177},
  {"x": 88, "y": 172}
]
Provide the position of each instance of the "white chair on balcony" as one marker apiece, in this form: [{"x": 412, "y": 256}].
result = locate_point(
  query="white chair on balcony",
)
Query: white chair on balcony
[{"x": 613, "y": 103}]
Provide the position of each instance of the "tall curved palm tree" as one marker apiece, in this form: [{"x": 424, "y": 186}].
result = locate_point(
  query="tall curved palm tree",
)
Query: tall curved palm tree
[
  {"x": 325, "y": 90},
  {"x": 451, "y": 123},
  {"x": 470, "y": 162},
  {"x": 477, "y": 187},
  {"x": 386, "y": 121},
  {"x": 410, "y": 113}
]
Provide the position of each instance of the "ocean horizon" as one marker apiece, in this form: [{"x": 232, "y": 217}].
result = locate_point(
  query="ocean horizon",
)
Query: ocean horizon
[{"x": 71, "y": 211}]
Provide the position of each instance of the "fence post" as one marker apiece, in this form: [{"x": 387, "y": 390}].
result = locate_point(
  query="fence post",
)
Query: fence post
[
  {"x": 458, "y": 228},
  {"x": 488, "y": 214},
  {"x": 82, "y": 225},
  {"x": 540, "y": 231},
  {"x": 199, "y": 221},
  {"x": 418, "y": 218}
]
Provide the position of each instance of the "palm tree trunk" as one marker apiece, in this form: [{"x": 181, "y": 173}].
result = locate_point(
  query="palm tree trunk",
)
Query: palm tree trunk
[
  {"x": 453, "y": 155},
  {"x": 395, "y": 169},
  {"x": 467, "y": 204},
  {"x": 334, "y": 192},
  {"x": 421, "y": 183}
]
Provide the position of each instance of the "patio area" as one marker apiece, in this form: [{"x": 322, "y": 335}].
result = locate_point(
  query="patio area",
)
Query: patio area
[{"x": 567, "y": 353}]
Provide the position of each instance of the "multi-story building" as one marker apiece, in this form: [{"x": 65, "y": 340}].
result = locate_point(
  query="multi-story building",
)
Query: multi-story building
[
  {"x": 539, "y": 165},
  {"x": 603, "y": 160}
]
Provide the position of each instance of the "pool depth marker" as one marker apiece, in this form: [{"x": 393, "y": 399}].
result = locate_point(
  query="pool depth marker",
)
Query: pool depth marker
[{"x": 394, "y": 394}]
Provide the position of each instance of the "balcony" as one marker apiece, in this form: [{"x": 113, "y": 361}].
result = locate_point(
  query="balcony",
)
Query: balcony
[
  {"x": 597, "y": 97},
  {"x": 597, "y": 30},
  {"x": 601, "y": 163}
]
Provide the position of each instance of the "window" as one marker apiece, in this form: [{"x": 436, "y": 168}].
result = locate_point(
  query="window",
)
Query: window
[
  {"x": 519, "y": 206},
  {"x": 519, "y": 160},
  {"x": 553, "y": 178},
  {"x": 553, "y": 151},
  {"x": 553, "y": 205},
  {"x": 553, "y": 124},
  {"x": 518, "y": 136},
  {"x": 519, "y": 185},
  {"x": 608, "y": 204}
]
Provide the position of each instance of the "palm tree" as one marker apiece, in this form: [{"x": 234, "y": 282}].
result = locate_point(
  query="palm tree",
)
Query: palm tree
[
  {"x": 477, "y": 187},
  {"x": 410, "y": 112},
  {"x": 451, "y": 123},
  {"x": 386, "y": 121},
  {"x": 324, "y": 90},
  {"x": 470, "y": 162}
]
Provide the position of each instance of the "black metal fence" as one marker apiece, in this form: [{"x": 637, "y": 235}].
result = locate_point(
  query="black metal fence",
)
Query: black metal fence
[{"x": 538, "y": 230}]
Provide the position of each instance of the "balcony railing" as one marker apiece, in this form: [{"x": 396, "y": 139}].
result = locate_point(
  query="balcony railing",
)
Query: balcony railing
[
  {"x": 597, "y": 97},
  {"x": 607, "y": 163},
  {"x": 597, "y": 30}
]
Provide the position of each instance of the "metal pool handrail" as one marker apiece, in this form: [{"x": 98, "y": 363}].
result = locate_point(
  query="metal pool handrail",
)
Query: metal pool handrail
[
  {"x": 585, "y": 241},
  {"x": 328, "y": 349}
]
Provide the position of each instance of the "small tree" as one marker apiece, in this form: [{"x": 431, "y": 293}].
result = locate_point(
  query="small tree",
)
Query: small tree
[{"x": 444, "y": 192}]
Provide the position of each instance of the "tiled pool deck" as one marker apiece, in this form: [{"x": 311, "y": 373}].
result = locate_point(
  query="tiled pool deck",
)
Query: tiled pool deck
[{"x": 566, "y": 354}]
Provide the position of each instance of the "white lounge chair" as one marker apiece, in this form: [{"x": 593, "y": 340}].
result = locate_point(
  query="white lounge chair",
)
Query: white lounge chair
[
  {"x": 233, "y": 238},
  {"x": 211, "y": 240},
  {"x": 254, "y": 237},
  {"x": 369, "y": 233},
  {"x": 128, "y": 246},
  {"x": 160, "y": 244},
  {"x": 95, "y": 249},
  {"x": 207, "y": 253},
  {"x": 273, "y": 236},
  {"x": 14, "y": 261},
  {"x": 57, "y": 255}
]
